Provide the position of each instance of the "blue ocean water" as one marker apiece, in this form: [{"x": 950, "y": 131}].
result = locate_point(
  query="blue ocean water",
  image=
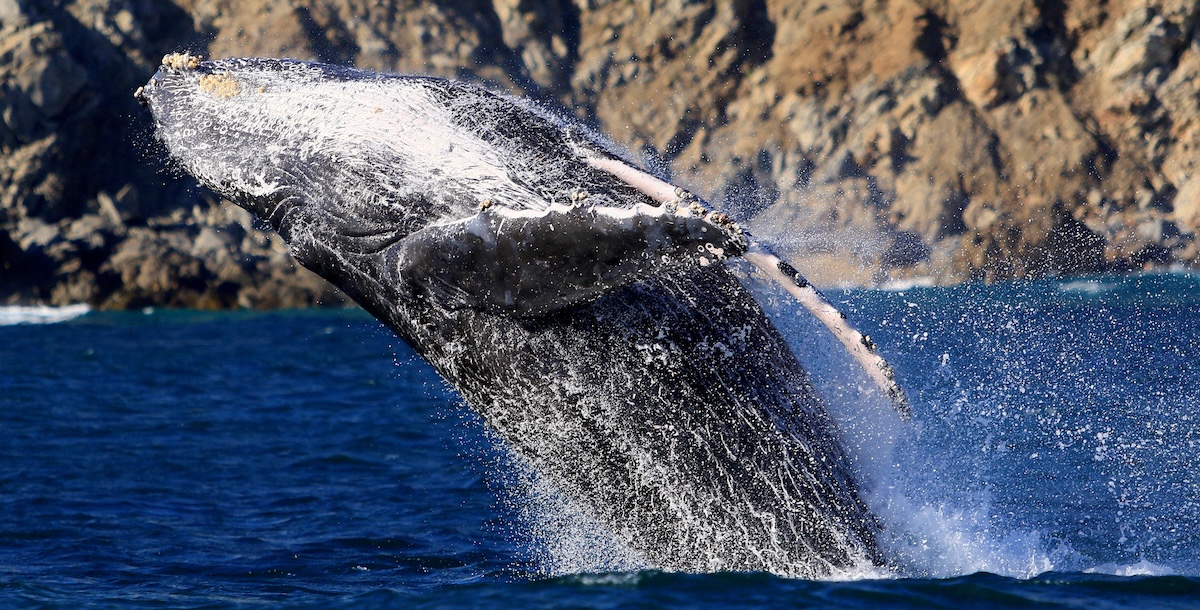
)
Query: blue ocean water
[{"x": 308, "y": 459}]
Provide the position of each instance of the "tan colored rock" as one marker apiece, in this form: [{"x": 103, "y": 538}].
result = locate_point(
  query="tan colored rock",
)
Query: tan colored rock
[
  {"x": 872, "y": 139},
  {"x": 543, "y": 36},
  {"x": 1186, "y": 205}
]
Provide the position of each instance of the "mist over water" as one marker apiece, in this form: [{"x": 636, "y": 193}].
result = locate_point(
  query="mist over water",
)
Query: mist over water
[{"x": 308, "y": 458}]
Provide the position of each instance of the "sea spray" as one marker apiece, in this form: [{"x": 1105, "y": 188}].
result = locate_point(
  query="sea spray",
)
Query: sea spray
[
  {"x": 1041, "y": 407},
  {"x": 562, "y": 538},
  {"x": 922, "y": 535},
  {"x": 40, "y": 314}
]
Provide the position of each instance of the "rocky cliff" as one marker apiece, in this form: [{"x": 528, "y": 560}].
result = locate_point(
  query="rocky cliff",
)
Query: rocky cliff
[{"x": 873, "y": 140}]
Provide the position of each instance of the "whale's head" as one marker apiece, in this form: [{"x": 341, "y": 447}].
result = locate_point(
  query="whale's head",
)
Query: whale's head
[
  {"x": 345, "y": 164},
  {"x": 288, "y": 139},
  {"x": 454, "y": 191}
]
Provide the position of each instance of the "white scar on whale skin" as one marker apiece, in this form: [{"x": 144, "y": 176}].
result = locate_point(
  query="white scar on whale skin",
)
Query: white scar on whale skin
[{"x": 859, "y": 345}]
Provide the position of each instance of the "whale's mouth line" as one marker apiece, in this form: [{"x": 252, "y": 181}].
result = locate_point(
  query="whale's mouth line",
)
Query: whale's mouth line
[
  {"x": 373, "y": 242},
  {"x": 345, "y": 234}
]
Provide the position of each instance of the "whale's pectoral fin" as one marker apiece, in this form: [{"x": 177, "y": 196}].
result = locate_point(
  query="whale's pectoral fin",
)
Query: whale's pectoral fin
[
  {"x": 860, "y": 346},
  {"x": 529, "y": 263}
]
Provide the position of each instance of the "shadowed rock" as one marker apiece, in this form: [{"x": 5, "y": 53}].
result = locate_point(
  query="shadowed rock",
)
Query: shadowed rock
[{"x": 1013, "y": 139}]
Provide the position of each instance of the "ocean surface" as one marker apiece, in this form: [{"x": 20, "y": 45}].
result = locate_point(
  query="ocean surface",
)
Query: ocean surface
[{"x": 306, "y": 459}]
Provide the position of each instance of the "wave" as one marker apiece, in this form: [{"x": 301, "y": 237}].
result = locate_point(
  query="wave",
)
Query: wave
[
  {"x": 908, "y": 284},
  {"x": 40, "y": 314},
  {"x": 1141, "y": 568}
]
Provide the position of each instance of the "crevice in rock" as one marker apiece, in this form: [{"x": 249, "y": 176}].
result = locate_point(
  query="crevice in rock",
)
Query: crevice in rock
[
  {"x": 1050, "y": 40},
  {"x": 330, "y": 41},
  {"x": 757, "y": 34},
  {"x": 935, "y": 38}
]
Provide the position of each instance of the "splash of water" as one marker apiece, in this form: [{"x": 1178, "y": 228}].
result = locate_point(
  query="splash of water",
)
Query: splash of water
[{"x": 40, "y": 314}]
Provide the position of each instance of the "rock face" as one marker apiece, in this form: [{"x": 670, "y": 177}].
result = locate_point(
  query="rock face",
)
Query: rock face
[
  {"x": 872, "y": 140},
  {"x": 88, "y": 212}
]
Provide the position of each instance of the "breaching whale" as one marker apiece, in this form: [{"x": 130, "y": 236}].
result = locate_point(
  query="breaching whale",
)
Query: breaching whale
[{"x": 577, "y": 302}]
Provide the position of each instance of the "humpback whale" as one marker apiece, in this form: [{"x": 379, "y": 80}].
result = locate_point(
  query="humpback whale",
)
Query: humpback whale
[{"x": 580, "y": 304}]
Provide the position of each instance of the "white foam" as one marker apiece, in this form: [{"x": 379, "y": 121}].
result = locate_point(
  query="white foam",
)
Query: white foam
[
  {"x": 905, "y": 284},
  {"x": 40, "y": 314},
  {"x": 609, "y": 579},
  {"x": 1141, "y": 568}
]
